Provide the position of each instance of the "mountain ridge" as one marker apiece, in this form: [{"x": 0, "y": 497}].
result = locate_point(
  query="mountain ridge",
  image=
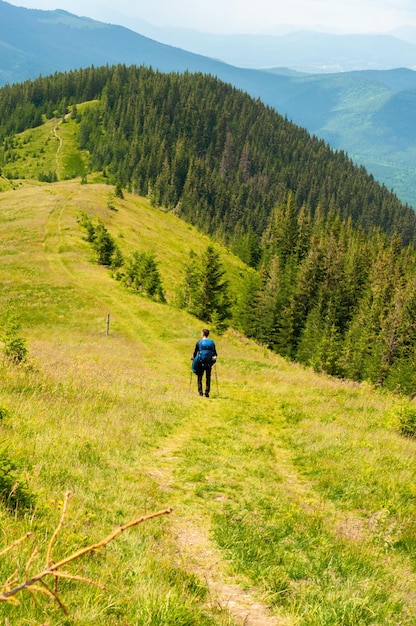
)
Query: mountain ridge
[
  {"x": 49, "y": 44},
  {"x": 321, "y": 103},
  {"x": 303, "y": 50}
]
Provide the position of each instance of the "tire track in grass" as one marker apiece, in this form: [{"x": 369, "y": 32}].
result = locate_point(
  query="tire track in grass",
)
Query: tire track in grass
[
  {"x": 190, "y": 527},
  {"x": 88, "y": 278},
  {"x": 185, "y": 473}
]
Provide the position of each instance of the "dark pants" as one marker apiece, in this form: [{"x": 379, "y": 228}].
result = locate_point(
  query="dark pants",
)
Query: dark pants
[{"x": 207, "y": 371}]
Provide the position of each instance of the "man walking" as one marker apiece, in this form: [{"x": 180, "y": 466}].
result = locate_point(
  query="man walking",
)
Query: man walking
[{"x": 204, "y": 358}]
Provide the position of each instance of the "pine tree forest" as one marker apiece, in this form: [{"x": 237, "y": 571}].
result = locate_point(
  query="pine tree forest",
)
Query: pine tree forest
[{"x": 332, "y": 251}]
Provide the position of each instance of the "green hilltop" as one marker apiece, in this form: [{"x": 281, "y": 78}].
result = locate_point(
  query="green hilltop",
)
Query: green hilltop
[{"x": 293, "y": 492}]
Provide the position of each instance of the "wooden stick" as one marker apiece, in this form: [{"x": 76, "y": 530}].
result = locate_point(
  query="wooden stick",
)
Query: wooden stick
[{"x": 54, "y": 595}]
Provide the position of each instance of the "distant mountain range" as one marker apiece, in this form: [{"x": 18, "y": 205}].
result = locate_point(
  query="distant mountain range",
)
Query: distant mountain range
[
  {"x": 369, "y": 114},
  {"x": 301, "y": 50}
]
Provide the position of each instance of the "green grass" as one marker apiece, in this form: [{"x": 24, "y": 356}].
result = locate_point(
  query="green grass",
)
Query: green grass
[
  {"x": 48, "y": 149},
  {"x": 293, "y": 488},
  {"x": 34, "y": 152}
]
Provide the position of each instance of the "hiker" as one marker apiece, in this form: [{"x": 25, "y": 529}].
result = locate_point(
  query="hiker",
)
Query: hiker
[{"x": 204, "y": 357}]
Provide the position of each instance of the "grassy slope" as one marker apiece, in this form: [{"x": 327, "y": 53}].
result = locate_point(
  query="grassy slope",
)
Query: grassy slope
[{"x": 288, "y": 488}]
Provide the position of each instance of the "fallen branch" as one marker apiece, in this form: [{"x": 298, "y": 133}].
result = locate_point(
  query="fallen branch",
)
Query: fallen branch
[{"x": 54, "y": 569}]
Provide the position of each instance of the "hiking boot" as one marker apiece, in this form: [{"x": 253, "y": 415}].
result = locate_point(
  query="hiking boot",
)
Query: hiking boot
[{"x": 206, "y": 395}]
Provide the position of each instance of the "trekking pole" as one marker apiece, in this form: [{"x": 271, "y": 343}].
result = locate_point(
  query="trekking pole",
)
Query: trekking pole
[
  {"x": 216, "y": 378},
  {"x": 190, "y": 382}
]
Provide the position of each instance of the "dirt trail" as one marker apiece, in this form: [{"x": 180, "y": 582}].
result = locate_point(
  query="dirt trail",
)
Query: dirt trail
[
  {"x": 55, "y": 132},
  {"x": 197, "y": 553}
]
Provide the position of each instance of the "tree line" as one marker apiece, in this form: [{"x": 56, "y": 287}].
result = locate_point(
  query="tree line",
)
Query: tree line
[{"x": 335, "y": 298}]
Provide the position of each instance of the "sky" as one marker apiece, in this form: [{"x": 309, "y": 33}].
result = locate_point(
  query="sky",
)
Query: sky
[{"x": 244, "y": 16}]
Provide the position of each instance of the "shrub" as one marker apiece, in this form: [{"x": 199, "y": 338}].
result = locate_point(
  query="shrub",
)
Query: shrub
[
  {"x": 14, "y": 347},
  {"x": 4, "y": 413},
  {"x": 106, "y": 250},
  {"x": 103, "y": 244},
  {"x": 85, "y": 223},
  {"x": 14, "y": 491},
  {"x": 48, "y": 177},
  {"x": 407, "y": 418}
]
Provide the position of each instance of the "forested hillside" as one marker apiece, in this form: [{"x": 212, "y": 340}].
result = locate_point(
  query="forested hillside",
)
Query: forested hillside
[
  {"x": 193, "y": 140},
  {"x": 334, "y": 250}
]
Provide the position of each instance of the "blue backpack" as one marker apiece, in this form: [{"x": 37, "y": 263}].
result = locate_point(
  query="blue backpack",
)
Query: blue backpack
[{"x": 205, "y": 356}]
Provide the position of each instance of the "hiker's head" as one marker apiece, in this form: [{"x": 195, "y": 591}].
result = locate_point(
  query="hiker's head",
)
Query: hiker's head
[{"x": 205, "y": 332}]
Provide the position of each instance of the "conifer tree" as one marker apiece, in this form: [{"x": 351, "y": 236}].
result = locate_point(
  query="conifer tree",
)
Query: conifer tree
[
  {"x": 310, "y": 339},
  {"x": 265, "y": 321},
  {"x": 205, "y": 291},
  {"x": 213, "y": 289},
  {"x": 142, "y": 275},
  {"x": 246, "y": 310},
  {"x": 188, "y": 289}
]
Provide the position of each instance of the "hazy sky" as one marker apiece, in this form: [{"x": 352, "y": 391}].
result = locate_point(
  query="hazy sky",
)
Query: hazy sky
[{"x": 250, "y": 16}]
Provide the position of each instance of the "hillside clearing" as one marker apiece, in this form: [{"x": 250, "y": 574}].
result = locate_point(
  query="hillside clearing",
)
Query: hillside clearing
[{"x": 293, "y": 493}]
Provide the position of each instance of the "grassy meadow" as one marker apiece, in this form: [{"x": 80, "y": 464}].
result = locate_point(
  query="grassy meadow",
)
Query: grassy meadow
[{"x": 293, "y": 494}]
